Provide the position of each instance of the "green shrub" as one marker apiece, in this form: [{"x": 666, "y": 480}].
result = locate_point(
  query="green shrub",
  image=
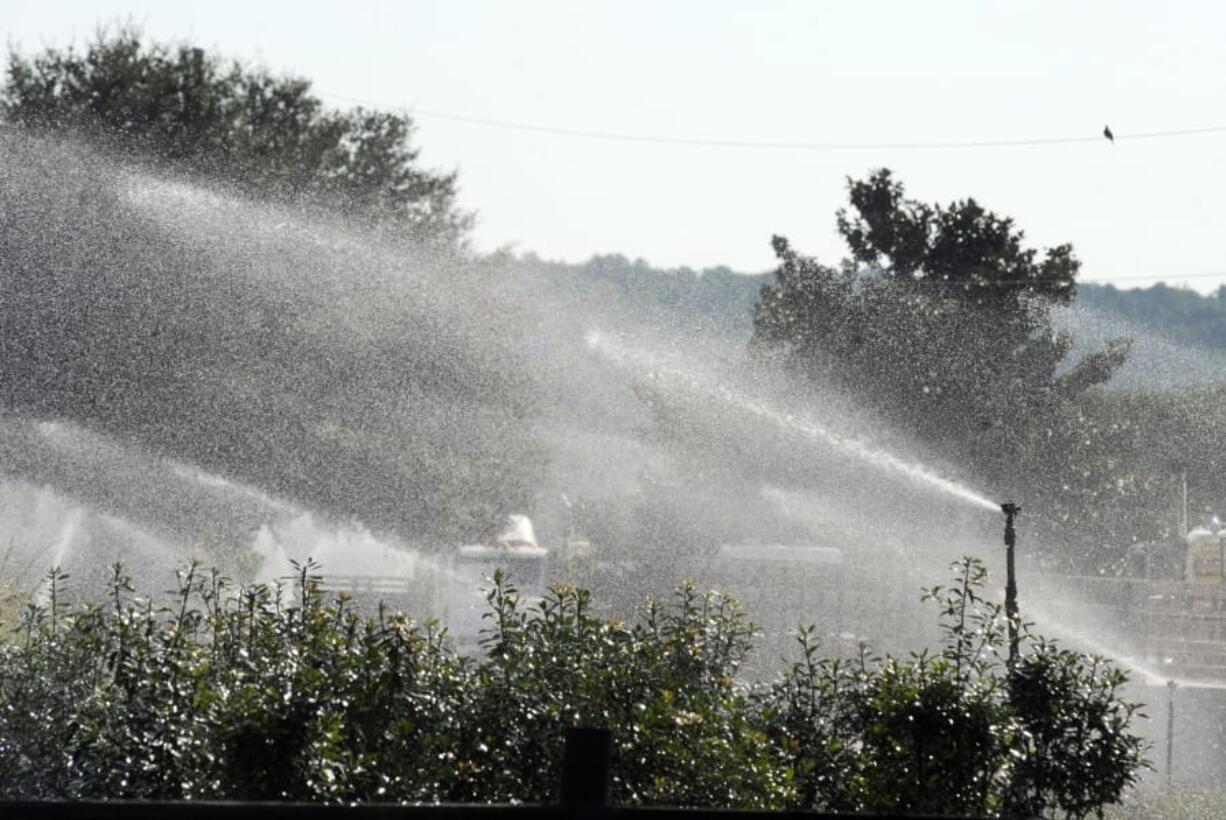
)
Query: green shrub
[
  {"x": 257, "y": 693},
  {"x": 959, "y": 733}
]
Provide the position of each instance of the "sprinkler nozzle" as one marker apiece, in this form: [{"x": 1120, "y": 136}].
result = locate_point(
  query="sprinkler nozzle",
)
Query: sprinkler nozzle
[{"x": 1010, "y": 509}]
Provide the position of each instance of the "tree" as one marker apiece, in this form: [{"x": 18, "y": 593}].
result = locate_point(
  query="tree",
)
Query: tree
[
  {"x": 959, "y": 247},
  {"x": 317, "y": 352},
  {"x": 268, "y": 135},
  {"x": 941, "y": 320}
]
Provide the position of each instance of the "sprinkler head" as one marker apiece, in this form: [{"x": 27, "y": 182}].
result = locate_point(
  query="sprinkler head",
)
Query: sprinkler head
[{"x": 1010, "y": 509}]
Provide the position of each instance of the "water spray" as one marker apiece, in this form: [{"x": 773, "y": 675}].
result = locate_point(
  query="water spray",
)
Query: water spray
[
  {"x": 1011, "y": 510},
  {"x": 810, "y": 429}
]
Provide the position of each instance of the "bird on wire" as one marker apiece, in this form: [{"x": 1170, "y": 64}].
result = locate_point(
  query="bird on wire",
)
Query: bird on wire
[{"x": 1107, "y": 133}]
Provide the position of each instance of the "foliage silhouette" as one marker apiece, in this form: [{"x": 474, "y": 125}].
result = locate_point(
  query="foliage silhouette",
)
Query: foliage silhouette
[
  {"x": 941, "y": 321},
  {"x": 280, "y": 693},
  {"x": 268, "y": 135}
]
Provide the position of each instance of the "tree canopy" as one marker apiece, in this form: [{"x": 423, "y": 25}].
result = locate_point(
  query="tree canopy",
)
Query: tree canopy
[
  {"x": 340, "y": 366},
  {"x": 957, "y": 247},
  {"x": 941, "y": 321},
  {"x": 265, "y": 134}
]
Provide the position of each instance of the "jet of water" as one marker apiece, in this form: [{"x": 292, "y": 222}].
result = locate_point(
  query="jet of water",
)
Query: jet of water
[{"x": 810, "y": 429}]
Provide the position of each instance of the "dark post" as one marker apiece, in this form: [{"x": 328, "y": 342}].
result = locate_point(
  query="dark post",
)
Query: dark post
[
  {"x": 1011, "y": 510},
  {"x": 585, "y": 769}
]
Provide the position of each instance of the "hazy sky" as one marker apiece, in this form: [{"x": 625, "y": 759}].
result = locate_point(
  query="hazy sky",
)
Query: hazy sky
[{"x": 847, "y": 72}]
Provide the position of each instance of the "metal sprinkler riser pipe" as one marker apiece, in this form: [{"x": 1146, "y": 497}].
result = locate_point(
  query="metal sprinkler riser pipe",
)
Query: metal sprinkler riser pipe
[{"x": 1011, "y": 510}]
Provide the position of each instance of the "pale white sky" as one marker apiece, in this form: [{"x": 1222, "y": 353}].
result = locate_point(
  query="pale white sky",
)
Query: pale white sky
[{"x": 812, "y": 72}]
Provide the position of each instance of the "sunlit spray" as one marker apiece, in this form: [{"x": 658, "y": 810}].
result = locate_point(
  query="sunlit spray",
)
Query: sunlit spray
[{"x": 806, "y": 427}]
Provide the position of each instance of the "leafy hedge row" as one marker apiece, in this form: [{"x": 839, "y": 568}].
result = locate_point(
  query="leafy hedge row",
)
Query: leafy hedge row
[{"x": 238, "y": 693}]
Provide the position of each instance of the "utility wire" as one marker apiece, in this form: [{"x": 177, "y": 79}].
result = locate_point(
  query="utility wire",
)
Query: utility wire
[
  {"x": 614, "y": 136},
  {"x": 413, "y": 111}
]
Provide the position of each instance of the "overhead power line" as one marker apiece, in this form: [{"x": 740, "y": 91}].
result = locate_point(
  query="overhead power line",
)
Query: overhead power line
[
  {"x": 807, "y": 146},
  {"x": 616, "y": 136},
  {"x": 613, "y": 136}
]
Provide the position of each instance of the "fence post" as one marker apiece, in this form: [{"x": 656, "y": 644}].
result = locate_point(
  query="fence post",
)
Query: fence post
[{"x": 585, "y": 768}]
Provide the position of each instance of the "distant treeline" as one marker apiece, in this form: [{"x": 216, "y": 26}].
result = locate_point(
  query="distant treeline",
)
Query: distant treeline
[
  {"x": 716, "y": 300},
  {"x": 1181, "y": 314},
  {"x": 724, "y": 299}
]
